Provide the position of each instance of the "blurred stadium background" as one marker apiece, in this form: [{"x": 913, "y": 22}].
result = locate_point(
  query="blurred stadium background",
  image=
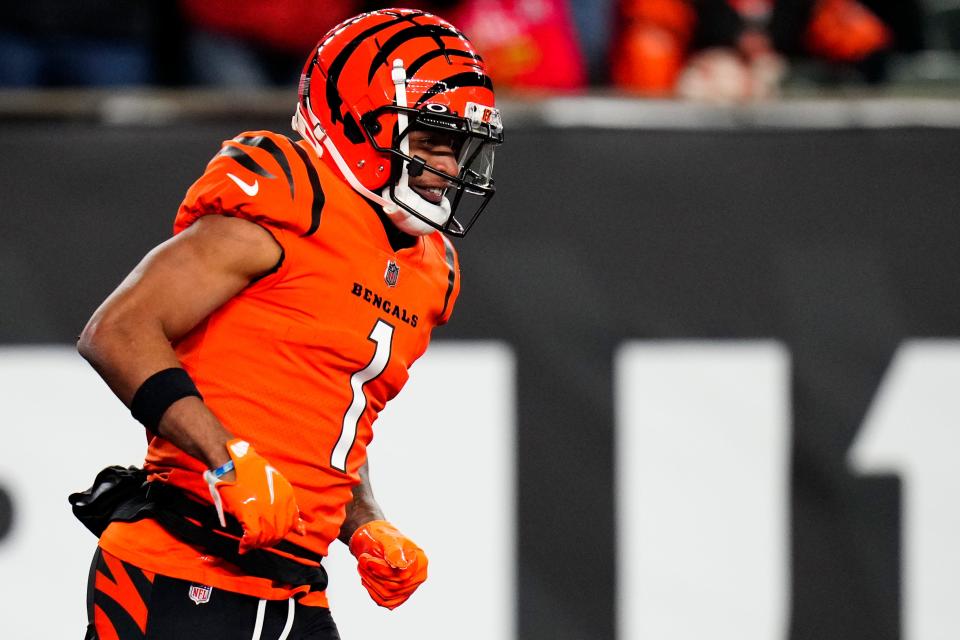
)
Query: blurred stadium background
[{"x": 701, "y": 382}]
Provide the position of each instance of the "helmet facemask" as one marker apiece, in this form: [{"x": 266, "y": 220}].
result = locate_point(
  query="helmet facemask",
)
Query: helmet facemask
[
  {"x": 477, "y": 132},
  {"x": 466, "y": 194}
]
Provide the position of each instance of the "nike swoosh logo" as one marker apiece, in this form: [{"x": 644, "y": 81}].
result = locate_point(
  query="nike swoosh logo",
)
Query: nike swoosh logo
[{"x": 249, "y": 189}]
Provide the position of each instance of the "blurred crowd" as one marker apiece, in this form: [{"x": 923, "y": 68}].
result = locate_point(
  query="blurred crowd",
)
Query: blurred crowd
[{"x": 708, "y": 49}]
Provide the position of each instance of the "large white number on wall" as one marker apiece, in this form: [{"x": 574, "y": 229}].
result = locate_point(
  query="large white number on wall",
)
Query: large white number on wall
[
  {"x": 702, "y": 444},
  {"x": 913, "y": 430}
]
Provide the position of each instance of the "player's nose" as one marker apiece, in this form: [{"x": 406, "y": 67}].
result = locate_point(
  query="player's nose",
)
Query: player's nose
[{"x": 445, "y": 163}]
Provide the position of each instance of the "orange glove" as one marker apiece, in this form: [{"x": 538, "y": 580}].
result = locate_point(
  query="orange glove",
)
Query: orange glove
[
  {"x": 259, "y": 497},
  {"x": 391, "y": 566}
]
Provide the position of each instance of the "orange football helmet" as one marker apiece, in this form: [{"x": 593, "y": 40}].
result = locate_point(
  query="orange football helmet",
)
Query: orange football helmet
[{"x": 374, "y": 78}]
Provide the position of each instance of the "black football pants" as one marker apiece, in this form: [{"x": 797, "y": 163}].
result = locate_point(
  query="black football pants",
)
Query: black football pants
[{"x": 125, "y": 602}]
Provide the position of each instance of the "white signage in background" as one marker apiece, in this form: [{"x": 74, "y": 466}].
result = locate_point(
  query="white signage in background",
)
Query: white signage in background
[
  {"x": 913, "y": 430},
  {"x": 702, "y": 490},
  {"x": 60, "y": 425},
  {"x": 442, "y": 466},
  {"x": 703, "y": 433}
]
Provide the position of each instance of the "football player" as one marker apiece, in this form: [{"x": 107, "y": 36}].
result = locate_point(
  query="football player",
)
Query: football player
[{"x": 258, "y": 345}]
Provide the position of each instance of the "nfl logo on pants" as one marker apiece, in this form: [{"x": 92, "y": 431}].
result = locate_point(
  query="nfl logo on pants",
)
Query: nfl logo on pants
[{"x": 200, "y": 594}]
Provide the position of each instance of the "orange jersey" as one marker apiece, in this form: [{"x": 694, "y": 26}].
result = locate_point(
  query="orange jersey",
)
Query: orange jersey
[{"x": 302, "y": 361}]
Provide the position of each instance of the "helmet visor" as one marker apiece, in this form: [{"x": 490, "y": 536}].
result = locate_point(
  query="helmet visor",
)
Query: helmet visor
[{"x": 469, "y": 193}]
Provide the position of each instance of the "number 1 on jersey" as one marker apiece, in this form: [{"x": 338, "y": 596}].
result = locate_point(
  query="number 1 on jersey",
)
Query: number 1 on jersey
[{"x": 382, "y": 336}]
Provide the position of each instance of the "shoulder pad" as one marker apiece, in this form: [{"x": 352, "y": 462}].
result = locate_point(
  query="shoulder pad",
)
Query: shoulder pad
[{"x": 261, "y": 176}]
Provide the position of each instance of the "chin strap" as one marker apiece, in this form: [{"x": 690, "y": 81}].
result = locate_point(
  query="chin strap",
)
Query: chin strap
[{"x": 399, "y": 76}]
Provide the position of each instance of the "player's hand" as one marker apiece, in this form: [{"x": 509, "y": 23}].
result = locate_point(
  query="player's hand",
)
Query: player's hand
[
  {"x": 259, "y": 497},
  {"x": 391, "y": 566}
]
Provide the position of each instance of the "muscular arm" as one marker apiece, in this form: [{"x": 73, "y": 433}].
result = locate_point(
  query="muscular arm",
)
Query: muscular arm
[
  {"x": 363, "y": 508},
  {"x": 173, "y": 289}
]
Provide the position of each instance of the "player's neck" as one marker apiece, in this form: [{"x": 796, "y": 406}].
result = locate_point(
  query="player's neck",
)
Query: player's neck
[{"x": 397, "y": 239}]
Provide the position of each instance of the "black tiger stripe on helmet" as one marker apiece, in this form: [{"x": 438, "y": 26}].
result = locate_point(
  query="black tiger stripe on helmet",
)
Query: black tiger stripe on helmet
[{"x": 376, "y": 78}]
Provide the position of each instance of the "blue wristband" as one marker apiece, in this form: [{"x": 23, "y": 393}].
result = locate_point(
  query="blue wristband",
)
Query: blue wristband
[{"x": 223, "y": 469}]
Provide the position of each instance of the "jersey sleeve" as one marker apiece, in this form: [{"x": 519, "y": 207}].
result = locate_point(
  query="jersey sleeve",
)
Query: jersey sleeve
[
  {"x": 453, "y": 279},
  {"x": 260, "y": 176}
]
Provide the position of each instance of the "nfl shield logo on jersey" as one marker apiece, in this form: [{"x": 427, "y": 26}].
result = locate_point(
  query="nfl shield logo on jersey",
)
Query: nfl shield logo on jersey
[
  {"x": 200, "y": 594},
  {"x": 391, "y": 274}
]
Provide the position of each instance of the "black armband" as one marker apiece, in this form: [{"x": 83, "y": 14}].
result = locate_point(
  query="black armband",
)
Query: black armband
[{"x": 158, "y": 392}]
